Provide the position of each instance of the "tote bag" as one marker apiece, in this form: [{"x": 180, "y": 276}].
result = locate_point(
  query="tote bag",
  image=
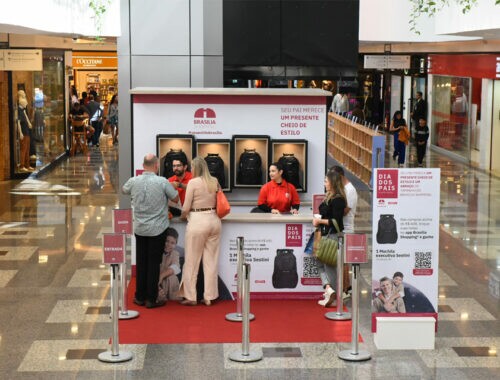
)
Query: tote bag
[
  {"x": 223, "y": 207},
  {"x": 326, "y": 248}
]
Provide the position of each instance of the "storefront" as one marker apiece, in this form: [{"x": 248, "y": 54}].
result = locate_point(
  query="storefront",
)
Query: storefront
[
  {"x": 95, "y": 71},
  {"x": 36, "y": 105},
  {"x": 462, "y": 106}
]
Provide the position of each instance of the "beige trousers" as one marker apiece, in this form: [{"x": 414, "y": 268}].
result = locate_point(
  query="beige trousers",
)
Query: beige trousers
[
  {"x": 202, "y": 241},
  {"x": 169, "y": 289}
]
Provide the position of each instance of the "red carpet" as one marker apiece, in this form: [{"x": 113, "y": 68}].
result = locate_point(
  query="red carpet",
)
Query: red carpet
[{"x": 275, "y": 321}]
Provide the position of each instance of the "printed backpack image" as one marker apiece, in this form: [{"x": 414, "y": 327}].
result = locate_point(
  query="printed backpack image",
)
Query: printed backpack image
[
  {"x": 216, "y": 168},
  {"x": 285, "y": 269},
  {"x": 291, "y": 167},
  {"x": 172, "y": 154},
  {"x": 387, "y": 232},
  {"x": 250, "y": 168}
]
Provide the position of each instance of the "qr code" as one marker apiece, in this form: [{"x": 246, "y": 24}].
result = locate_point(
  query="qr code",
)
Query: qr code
[
  {"x": 310, "y": 267},
  {"x": 423, "y": 260}
]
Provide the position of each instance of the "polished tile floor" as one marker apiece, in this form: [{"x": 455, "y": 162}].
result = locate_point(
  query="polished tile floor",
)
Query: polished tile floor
[{"x": 54, "y": 291}]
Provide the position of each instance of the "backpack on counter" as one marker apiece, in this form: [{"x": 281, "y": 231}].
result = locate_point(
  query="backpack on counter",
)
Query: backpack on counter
[
  {"x": 250, "y": 168},
  {"x": 387, "y": 231},
  {"x": 216, "y": 168},
  {"x": 172, "y": 154},
  {"x": 285, "y": 270},
  {"x": 290, "y": 165}
]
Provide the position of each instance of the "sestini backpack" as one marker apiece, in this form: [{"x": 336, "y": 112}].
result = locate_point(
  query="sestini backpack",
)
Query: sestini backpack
[
  {"x": 387, "y": 231},
  {"x": 216, "y": 168},
  {"x": 290, "y": 165},
  {"x": 250, "y": 168},
  {"x": 285, "y": 269}
]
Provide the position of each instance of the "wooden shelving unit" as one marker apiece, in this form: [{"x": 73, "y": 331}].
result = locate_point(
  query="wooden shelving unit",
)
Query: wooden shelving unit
[{"x": 355, "y": 146}]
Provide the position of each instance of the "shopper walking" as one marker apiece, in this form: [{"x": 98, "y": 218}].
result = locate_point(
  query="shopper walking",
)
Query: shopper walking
[
  {"x": 150, "y": 194},
  {"x": 419, "y": 109},
  {"x": 421, "y": 137},
  {"x": 202, "y": 239},
  {"x": 95, "y": 113},
  {"x": 397, "y": 125},
  {"x": 113, "y": 117},
  {"x": 331, "y": 222}
]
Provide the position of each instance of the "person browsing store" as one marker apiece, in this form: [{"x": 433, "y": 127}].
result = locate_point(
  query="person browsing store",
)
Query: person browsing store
[
  {"x": 278, "y": 195},
  {"x": 180, "y": 178}
]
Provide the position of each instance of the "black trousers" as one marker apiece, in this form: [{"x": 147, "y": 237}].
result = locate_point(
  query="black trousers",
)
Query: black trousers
[
  {"x": 421, "y": 152},
  {"x": 149, "y": 250}
]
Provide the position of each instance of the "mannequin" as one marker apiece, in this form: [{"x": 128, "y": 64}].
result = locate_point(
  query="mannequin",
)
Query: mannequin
[{"x": 23, "y": 127}]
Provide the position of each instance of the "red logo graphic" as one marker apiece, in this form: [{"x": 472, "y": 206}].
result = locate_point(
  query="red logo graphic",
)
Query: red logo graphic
[
  {"x": 387, "y": 183},
  {"x": 293, "y": 235},
  {"x": 205, "y": 113}
]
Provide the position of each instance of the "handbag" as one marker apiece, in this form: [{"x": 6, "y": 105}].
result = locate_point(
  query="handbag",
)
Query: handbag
[
  {"x": 325, "y": 248},
  {"x": 223, "y": 208},
  {"x": 404, "y": 135}
]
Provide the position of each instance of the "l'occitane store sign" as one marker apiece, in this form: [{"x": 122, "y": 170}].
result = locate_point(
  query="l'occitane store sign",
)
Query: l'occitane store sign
[{"x": 95, "y": 60}]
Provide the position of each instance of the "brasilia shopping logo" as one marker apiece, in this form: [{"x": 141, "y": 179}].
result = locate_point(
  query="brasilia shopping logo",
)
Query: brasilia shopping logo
[{"x": 204, "y": 117}]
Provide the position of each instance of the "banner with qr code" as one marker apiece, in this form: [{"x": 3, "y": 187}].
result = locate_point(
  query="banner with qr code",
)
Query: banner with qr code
[{"x": 405, "y": 241}]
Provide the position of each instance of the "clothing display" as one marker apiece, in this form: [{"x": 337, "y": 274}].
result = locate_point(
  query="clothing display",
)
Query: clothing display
[
  {"x": 285, "y": 269},
  {"x": 172, "y": 154},
  {"x": 216, "y": 167},
  {"x": 291, "y": 167},
  {"x": 250, "y": 168}
]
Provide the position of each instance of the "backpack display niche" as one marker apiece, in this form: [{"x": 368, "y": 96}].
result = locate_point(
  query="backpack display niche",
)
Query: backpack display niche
[
  {"x": 251, "y": 160},
  {"x": 292, "y": 156},
  {"x": 174, "y": 147},
  {"x": 285, "y": 270},
  {"x": 216, "y": 168},
  {"x": 387, "y": 232}
]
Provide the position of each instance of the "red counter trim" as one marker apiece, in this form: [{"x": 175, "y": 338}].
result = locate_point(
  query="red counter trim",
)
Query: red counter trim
[{"x": 229, "y": 99}]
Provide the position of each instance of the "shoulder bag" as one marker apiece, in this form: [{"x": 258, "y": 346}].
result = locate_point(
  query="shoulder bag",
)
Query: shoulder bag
[
  {"x": 326, "y": 248},
  {"x": 223, "y": 207},
  {"x": 404, "y": 135}
]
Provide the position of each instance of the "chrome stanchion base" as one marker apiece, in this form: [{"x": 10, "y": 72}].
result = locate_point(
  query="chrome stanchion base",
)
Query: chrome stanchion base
[
  {"x": 108, "y": 357},
  {"x": 235, "y": 317},
  {"x": 336, "y": 316},
  {"x": 253, "y": 356},
  {"x": 129, "y": 314},
  {"x": 353, "y": 357}
]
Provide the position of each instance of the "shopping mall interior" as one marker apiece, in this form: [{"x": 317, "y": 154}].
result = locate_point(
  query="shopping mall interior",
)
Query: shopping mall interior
[{"x": 221, "y": 86}]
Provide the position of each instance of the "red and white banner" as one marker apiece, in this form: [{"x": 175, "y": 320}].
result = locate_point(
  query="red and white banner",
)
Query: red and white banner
[
  {"x": 122, "y": 221},
  {"x": 405, "y": 254},
  {"x": 114, "y": 249}
]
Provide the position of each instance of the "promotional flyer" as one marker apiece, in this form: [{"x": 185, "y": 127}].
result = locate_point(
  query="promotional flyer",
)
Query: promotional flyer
[{"x": 405, "y": 254}]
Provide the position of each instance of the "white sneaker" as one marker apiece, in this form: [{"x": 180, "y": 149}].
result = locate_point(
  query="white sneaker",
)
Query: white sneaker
[
  {"x": 346, "y": 296},
  {"x": 323, "y": 301},
  {"x": 330, "y": 298}
]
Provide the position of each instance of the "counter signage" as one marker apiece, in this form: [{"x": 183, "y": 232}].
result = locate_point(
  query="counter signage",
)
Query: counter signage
[
  {"x": 405, "y": 250},
  {"x": 113, "y": 247},
  {"x": 355, "y": 249},
  {"x": 317, "y": 199},
  {"x": 122, "y": 221}
]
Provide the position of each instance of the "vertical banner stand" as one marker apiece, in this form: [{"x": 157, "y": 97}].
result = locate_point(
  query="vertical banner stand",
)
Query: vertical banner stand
[
  {"x": 114, "y": 356},
  {"x": 238, "y": 316},
  {"x": 245, "y": 355},
  {"x": 122, "y": 224},
  {"x": 339, "y": 315},
  {"x": 354, "y": 354}
]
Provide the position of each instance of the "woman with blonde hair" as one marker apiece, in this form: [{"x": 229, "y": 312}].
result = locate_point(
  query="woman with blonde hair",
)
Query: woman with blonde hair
[
  {"x": 202, "y": 239},
  {"x": 330, "y": 222}
]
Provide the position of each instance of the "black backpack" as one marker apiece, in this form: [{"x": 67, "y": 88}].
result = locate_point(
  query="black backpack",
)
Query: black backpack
[
  {"x": 250, "y": 168},
  {"x": 285, "y": 269},
  {"x": 216, "y": 168},
  {"x": 172, "y": 154},
  {"x": 387, "y": 232},
  {"x": 290, "y": 166}
]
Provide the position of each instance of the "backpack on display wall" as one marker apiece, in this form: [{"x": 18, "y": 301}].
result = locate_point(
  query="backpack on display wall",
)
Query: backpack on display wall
[
  {"x": 285, "y": 269},
  {"x": 173, "y": 154},
  {"x": 250, "y": 168},
  {"x": 216, "y": 168},
  {"x": 387, "y": 231},
  {"x": 291, "y": 166}
]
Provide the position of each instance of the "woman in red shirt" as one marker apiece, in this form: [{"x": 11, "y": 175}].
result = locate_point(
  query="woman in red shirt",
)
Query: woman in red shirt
[{"x": 278, "y": 195}]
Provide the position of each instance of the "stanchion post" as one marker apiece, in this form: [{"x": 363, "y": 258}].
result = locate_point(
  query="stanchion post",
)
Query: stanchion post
[
  {"x": 114, "y": 356},
  {"x": 340, "y": 315},
  {"x": 238, "y": 316},
  {"x": 124, "y": 312},
  {"x": 354, "y": 354},
  {"x": 246, "y": 355}
]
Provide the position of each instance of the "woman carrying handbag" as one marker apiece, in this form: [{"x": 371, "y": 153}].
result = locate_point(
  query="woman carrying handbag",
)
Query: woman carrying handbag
[
  {"x": 398, "y": 127},
  {"x": 330, "y": 223}
]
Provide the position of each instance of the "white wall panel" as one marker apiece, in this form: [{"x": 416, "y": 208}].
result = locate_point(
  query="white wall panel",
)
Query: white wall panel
[
  {"x": 207, "y": 71},
  {"x": 206, "y": 27},
  {"x": 159, "y": 71},
  {"x": 159, "y": 27}
]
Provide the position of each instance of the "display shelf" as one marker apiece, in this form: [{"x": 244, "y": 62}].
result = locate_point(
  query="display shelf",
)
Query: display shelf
[{"x": 358, "y": 148}]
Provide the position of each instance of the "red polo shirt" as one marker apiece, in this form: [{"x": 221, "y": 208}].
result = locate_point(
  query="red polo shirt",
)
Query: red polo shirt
[
  {"x": 279, "y": 196},
  {"x": 182, "y": 192}
]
